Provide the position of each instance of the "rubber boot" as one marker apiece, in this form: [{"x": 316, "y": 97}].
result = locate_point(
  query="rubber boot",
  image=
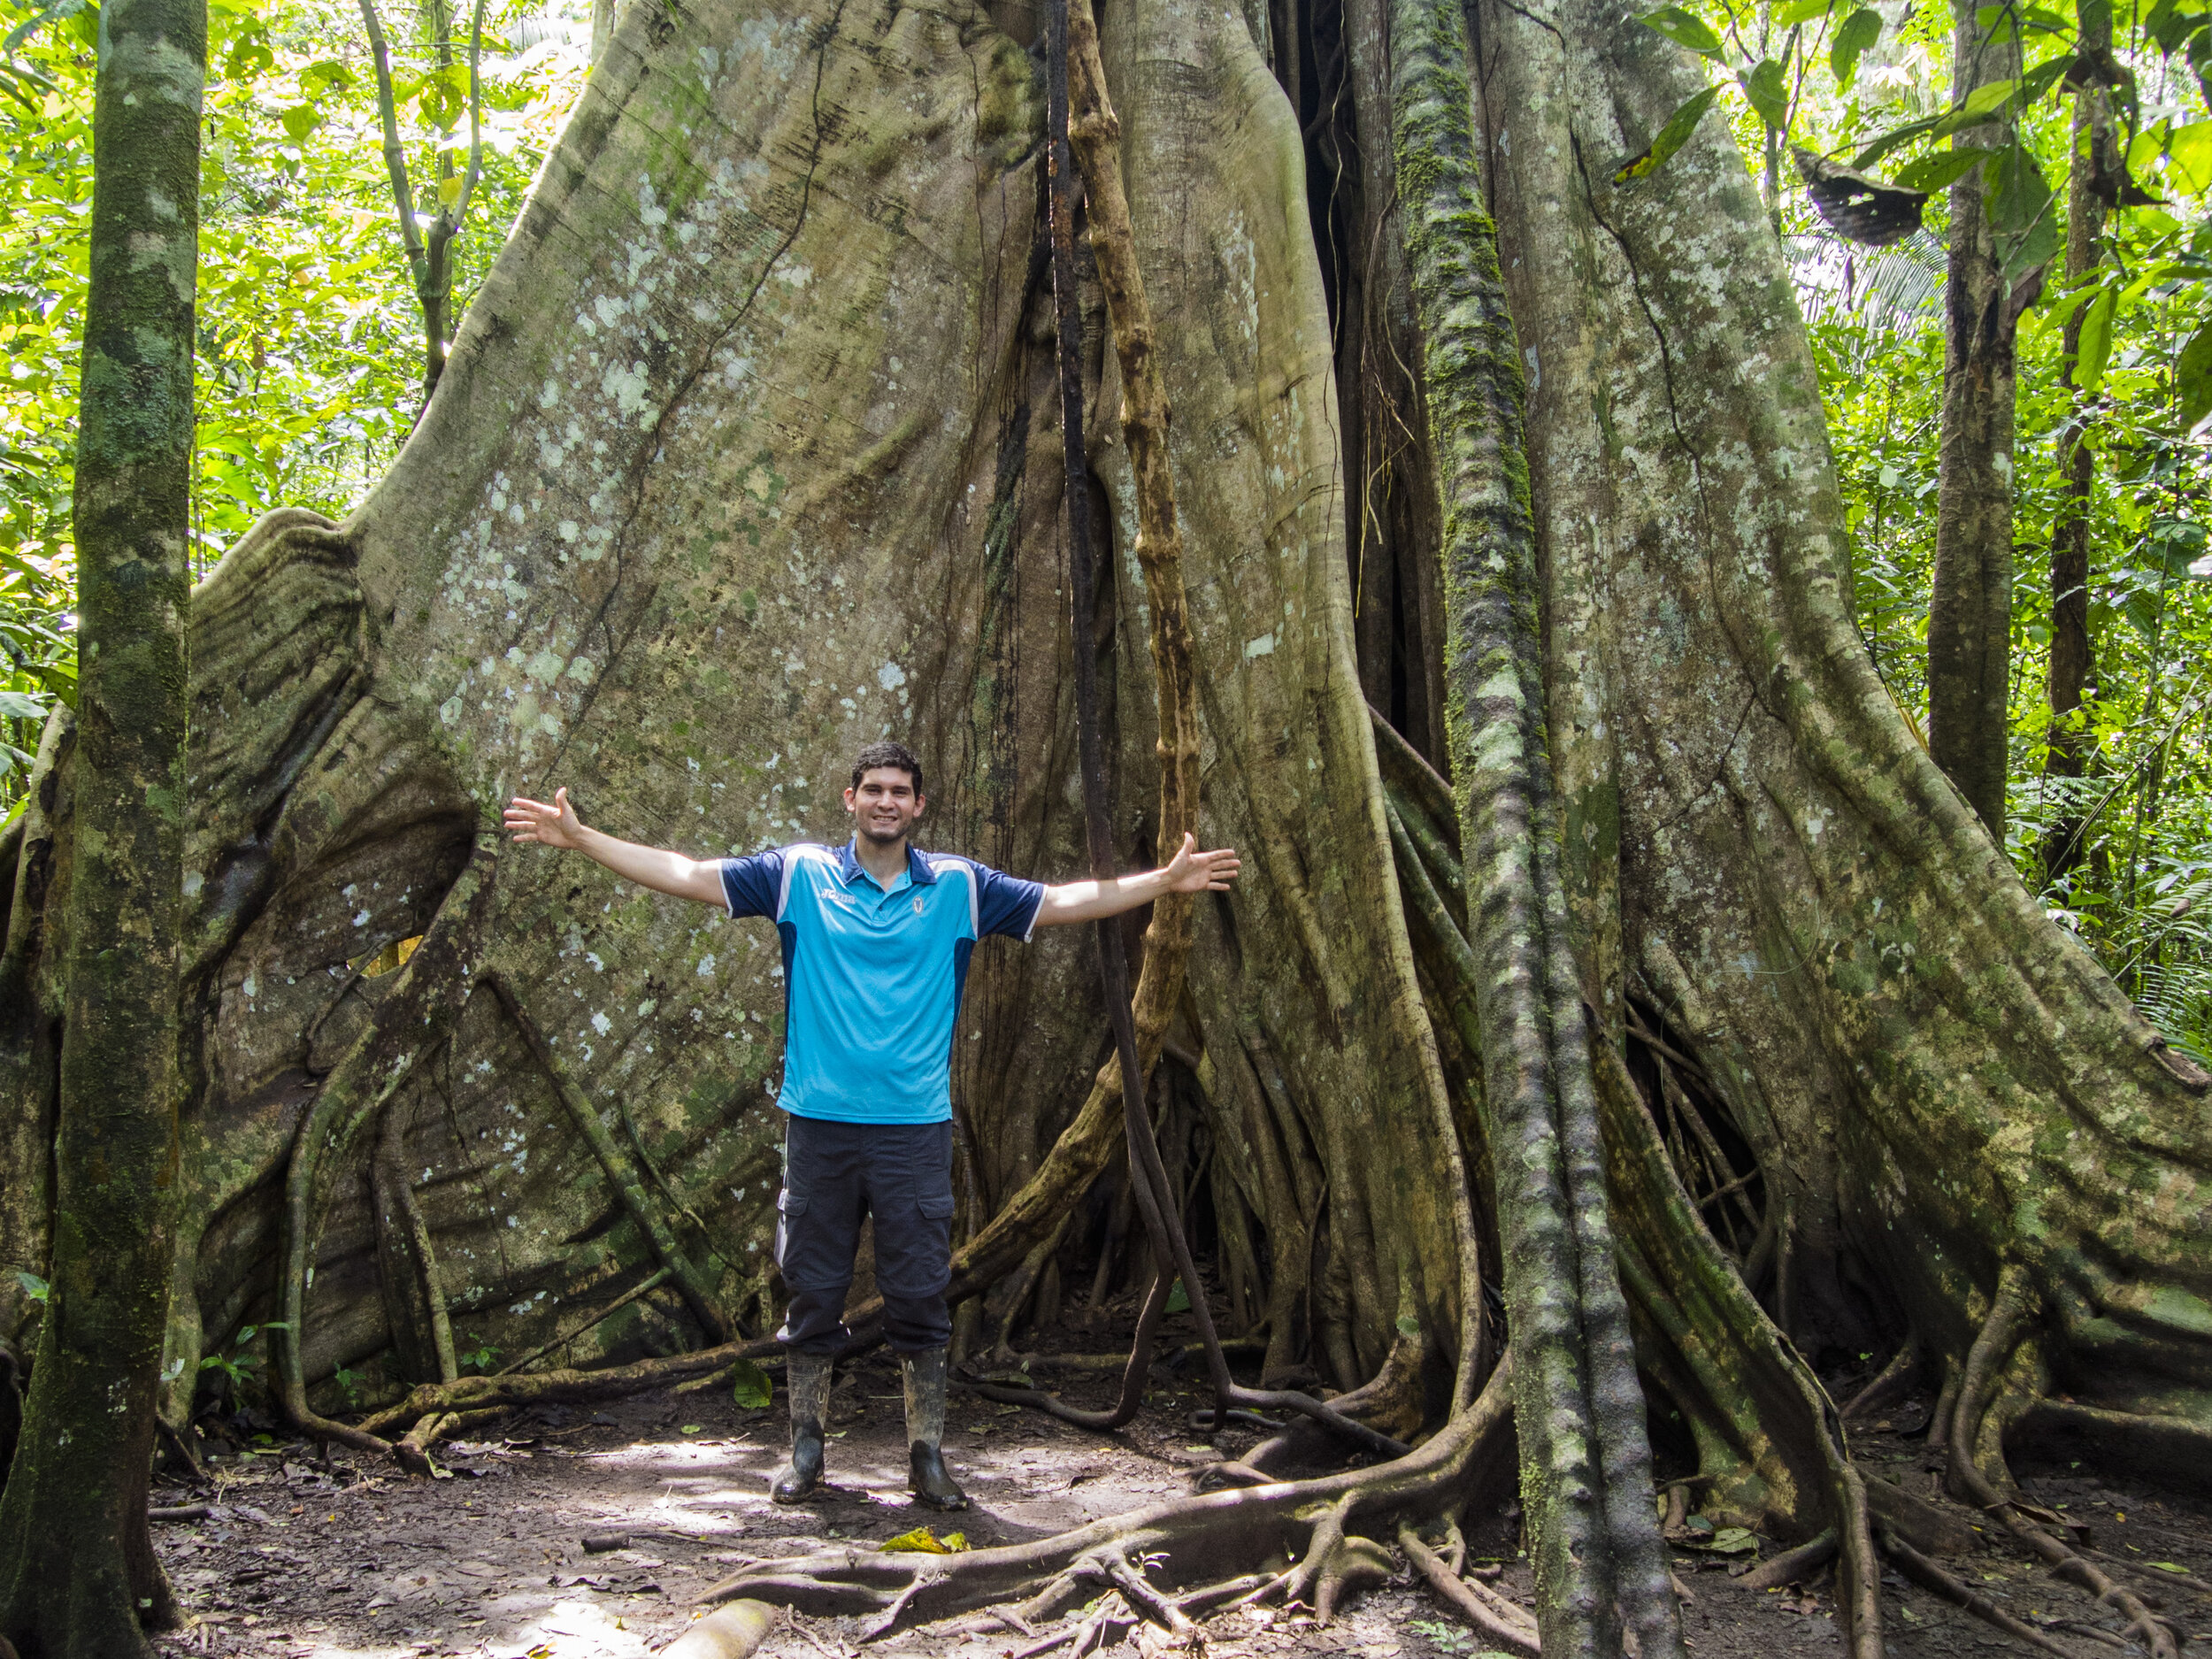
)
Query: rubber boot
[
  {"x": 928, "y": 1479},
  {"x": 808, "y": 1377}
]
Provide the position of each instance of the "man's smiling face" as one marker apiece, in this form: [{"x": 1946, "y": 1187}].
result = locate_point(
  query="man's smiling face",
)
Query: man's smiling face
[{"x": 884, "y": 805}]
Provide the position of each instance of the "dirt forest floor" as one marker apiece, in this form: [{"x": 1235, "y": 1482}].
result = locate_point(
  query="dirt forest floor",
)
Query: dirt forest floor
[{"x": 298, "y": 1554}]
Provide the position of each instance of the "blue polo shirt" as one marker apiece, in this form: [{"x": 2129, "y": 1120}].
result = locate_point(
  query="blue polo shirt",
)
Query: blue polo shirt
[{"x": 872, "y": 974}]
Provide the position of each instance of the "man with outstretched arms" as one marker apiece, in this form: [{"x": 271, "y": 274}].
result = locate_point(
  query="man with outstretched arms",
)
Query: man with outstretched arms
[{"x": 876, "y": 936}]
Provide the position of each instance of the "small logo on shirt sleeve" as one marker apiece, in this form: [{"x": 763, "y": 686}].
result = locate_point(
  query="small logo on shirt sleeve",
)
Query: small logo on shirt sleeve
[{"x": 918, "y": 904}]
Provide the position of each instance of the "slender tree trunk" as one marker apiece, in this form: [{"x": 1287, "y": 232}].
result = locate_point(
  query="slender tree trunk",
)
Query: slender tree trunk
[
  {"x": 2072, "y": 669},
  {"x": 1970, "y": 612},
  {"x": 78, "y": 1574}
]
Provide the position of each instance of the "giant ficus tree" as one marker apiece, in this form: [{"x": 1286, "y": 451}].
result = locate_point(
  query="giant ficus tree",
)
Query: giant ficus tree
[{"x": 1632, "y": 957}]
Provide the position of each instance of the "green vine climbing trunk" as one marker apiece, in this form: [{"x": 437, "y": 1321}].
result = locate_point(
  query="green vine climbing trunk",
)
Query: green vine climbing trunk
[
  {"x": 78, "y": 1574},
  {"x": 1586, "y": 1464}
]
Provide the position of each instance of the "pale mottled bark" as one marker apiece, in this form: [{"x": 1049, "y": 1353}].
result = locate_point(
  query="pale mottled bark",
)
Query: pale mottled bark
[
  {"x": 728, "y": 472},
  {"x": 1934, "y": 1080}
]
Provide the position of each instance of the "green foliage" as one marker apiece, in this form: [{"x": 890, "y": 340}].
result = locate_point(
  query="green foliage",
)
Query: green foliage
[
  {"x": 2141, "y": 374},
  {"x": 309, "y": 337},
  {"x": 478, "y": 1356},
  {"x": 236, "y": 1368}
]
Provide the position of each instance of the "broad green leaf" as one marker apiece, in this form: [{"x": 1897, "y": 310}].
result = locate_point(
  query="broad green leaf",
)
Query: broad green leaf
[
  {"x": 300, "y": 120},
  {"x": 1854, "y": 35},
  {"x": 1988, "y": 97},
  {"x": 2054, "y": 314},
  {"x": 2189, "y": 155},
  {"x": 1683, "y": 28},
  {"x": 34, "y": 1286},
  {"x": 1801, "y": 11},
  {"x": 1671, "y": 137},
  {"x": 750, "y": 1385},
  {"x": 15, "y": 705},
  {"x": 2193, "y": 378},
  {"x": 2021, "y": 210},
  {"x": 1769, "y": 91},
  {"x": 1896, "y": 138},
  {"x": 2096, "y": 343},
  {"x": 2042, "y": 78},
  {"x": 1982, "y": 105},
  {"x": 1178, "y": 1298},
  {"x": 1940, "y": 170}
]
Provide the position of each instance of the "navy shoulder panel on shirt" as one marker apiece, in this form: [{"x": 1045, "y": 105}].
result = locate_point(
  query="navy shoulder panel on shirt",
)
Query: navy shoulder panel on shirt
[
  {"x": 754, "y": 886},
  {"x": 1000, "y": 903}
]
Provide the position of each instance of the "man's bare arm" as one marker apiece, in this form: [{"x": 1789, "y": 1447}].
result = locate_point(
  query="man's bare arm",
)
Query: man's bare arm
[
  {"x": 1190, "y": 871},
  {"x": 555, "y": 824}
]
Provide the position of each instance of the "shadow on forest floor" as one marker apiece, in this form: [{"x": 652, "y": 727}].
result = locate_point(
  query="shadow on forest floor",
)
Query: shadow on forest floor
[{"x": 299, "y": 1558}]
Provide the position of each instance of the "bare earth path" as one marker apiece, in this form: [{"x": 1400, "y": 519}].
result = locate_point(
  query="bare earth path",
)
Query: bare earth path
[{"x": 299, "y": 1558}]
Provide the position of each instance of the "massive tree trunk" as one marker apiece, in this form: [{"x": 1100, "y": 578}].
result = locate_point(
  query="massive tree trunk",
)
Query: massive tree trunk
[{"x": 1696, "y": 994}]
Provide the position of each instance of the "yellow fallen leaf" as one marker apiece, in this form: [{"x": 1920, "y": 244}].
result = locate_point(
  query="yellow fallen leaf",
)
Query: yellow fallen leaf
[{"x": 922, "y": 1541}]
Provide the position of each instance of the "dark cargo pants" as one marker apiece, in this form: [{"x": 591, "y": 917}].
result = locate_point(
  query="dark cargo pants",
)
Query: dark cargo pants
[{"x": 836, "y": 1174}]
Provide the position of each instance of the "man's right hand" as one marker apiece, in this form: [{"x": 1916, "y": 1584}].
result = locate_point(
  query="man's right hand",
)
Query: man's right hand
[
  {"x": 555, "y": 824},
  {"x": 551, "y": 824}
]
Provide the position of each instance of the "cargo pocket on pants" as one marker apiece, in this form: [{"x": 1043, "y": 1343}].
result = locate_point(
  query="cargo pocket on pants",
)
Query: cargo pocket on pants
[{"x": 789, "y": 1206}]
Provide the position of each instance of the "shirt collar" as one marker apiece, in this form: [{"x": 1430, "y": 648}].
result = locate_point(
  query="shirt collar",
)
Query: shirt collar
[{"x": 917, "y": 866}]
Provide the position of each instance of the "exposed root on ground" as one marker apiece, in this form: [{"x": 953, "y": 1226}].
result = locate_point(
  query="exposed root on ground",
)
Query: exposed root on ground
[
  {"x": 1211, "y": 1538},
  {"x": 1985, "y": 1403},
  {"x": 1928, "y": 1576},
  {"x": 1482, "y": 1607}
]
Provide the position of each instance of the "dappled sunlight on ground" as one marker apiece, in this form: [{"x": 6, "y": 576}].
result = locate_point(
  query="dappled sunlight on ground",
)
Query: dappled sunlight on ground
[{"x": 297, "y": 1559}]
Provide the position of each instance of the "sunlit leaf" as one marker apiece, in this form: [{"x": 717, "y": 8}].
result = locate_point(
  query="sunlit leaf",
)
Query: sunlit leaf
[
  {"x": 1854, "y": 35},
  {"x": 2193, "y": 378},
  {"x": 2189, "y": 155},
  {"x": 1801, "y": 11},
  {"x": 1684, "y": 28},
  {"x": 2096, "y": 343},
  {"x": 1896, "y": 138},
  {"x": 15, "y": 705},
  {"x": 1671, "y": 137},
  {"x": 1769, "y": 91},
  {"x": 1940, "y": 170}
]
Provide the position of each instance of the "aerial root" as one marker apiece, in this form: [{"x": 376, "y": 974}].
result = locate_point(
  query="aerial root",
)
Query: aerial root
[
  {"x": 1482, "y": 1607},
  {"x": 1129, "y": 1579},
  {"x": 1928, "y": 1576},
  {"x": 1337, "y": 1563},
  {"x": 1108, "y": 1624},
  {"x": 2011, "y": 1316},
  {"x": 1889, "y": 1384},
  {"x": 1792, "y": 1566}
]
